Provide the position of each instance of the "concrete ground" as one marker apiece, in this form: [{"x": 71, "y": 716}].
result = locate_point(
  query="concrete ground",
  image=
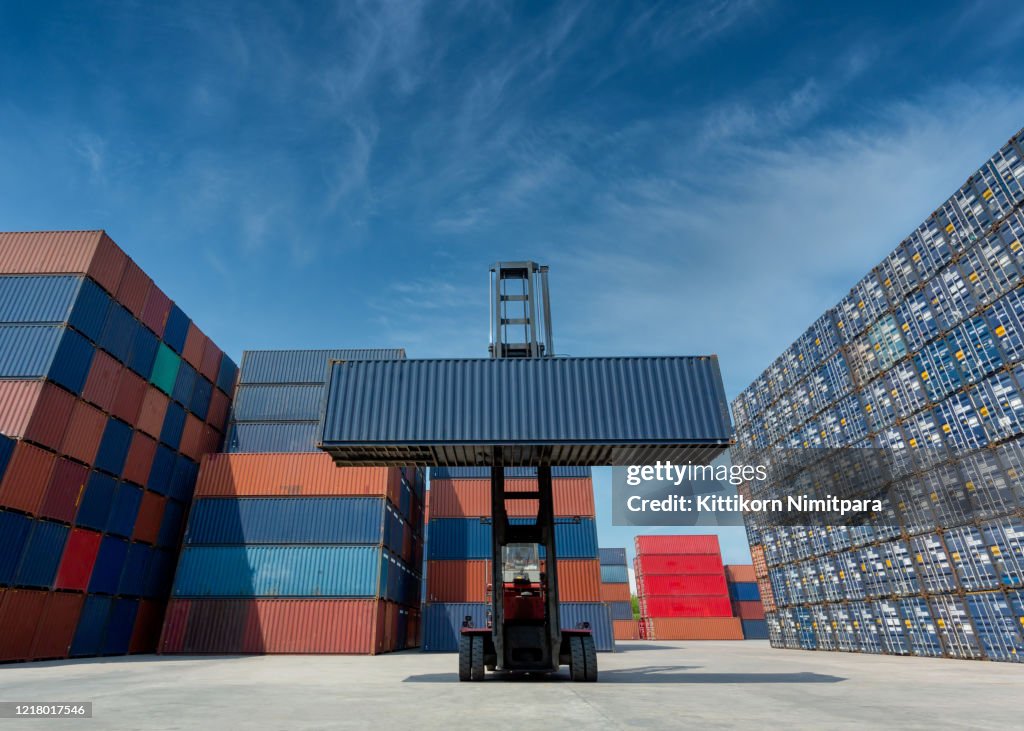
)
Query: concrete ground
[{"x": 700, "y": 685}]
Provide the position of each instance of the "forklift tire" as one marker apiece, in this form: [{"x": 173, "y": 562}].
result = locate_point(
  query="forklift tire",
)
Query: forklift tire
[
  {"x": 465, "y": 657},
  {"x": 477, "y": 657},
  {"x": 590, "y": 659},
  {"x": 578, "y": 664}
]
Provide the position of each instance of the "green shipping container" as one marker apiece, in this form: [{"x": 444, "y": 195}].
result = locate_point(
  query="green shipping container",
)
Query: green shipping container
[{"x": 165, "y": 369}]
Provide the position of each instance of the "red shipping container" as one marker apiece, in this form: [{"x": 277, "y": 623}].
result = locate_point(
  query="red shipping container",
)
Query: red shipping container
[
  {"x": 85, "y": 430},
  {"x": 140, "y": 458},
  {"x": 63, "y": 252},
  {"x": 20, "y": 610},
  {"x": 35, "y": 410},
  {"x": 700, "y": 544},
  {"x": 210, "y": 364},
  {"x": 131, "y": 390},
  {"x": 685, "y": 606},
  {"x": 64, "y": 491},
  {"x": 708, "y": 564},
  {"x": 28, "y": 474},
  {"x": 217, "y": 415},
  {"x": 101, "y": 385},
  {"x": 57, "y": 625},
  {"x": 134, "y": 288},
  {"x": 191, "y": 438},
  {"x": 735, "y": 573},
  {"x": 151, "y": 415},
  {"x": 472, "y": 498},
  {"x": 704, "y": 628},
  {"x": 615, "y": 593},
  {"x": 151, "y": 513},
  {"x": 195, "y": 343},
  {"x": 683, "y": 585},
  {"x": 748, "y": 610},
  {"x": 626, "y": 629},
  {"x": 172, "y": 635},
  {"x": 79, "y": 557},
  {"x": 156, "y": 310},
  {"x": 148, "y": 621}
]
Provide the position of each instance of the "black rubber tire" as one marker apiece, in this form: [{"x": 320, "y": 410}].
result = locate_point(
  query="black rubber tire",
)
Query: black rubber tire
[
  {"x": 465, "y": 657},
  {"x": 477, "y": 668},
  {"x": 590, "y": 658},
  {"x": 578, "y": 664}
]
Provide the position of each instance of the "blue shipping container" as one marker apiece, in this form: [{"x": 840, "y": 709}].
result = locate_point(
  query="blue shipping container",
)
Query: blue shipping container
[
  {"x": 465, "y": 538},
  {"x": 176, "y": 329},
  {"x": 621, "y": 610},
  {"x": 744, "y": 591},
  {"x": 45, "y": 351},
  {"x": 96, "y": 501},
  {"x": 303, "y": 366},
  {"x": 106, "y": 573},
  {"x": 118, "y": 635},
  {"x": 184, "y": 384},
  {"x": 484, "y": 473},
  {"x": 143, "y": 352},
  {"x": 755, "y": 629},
  {"x": 174, "y": 424},
  {"x": 117, "y": 438},
  {"x": 170, "y": 526},
  {"x": 124, "y": 510},
  {"x": 42, "y": 554},
  {"x": 183, "y": 479},
  {"x": 119, "y": 333},
  {"x": 249, "y": 437},
  {"x": 37, "y": 299},
  {"x": 614, "y": 574},
  {"x": 288, "y": 402},
  {"x": 226, "y": 374},
  {"x": 161, "y": 571},
  {"x": 91, "y": 625},
  {"x": 14, "y": 530},
  {"x": 136, "y": 568},
  {"x": 612, "y": 556}
]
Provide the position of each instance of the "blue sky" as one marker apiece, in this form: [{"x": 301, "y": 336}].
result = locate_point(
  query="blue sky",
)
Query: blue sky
[{"x": 701, "y": 177}]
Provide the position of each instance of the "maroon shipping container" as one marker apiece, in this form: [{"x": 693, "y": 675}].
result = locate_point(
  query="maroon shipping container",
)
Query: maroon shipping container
[
  {"x": 64, "y": 252},
  {"x": 693, "y": 564},
  {"x": 702, "y": 544},
  {"x": 172, "y": 635},
  {"x": 212, "y": 440},
  {"x": 64, "y": 490},
  {"x": 685, "y": 606},
  {"x": 151, "y": 513},
  {"x": 682, "y": 585},
  {"x": 20, "y": 610},
  {"x": 748, "y": 610},
  {"x": 210, "y": 364},
  {"x": 131, "y": 390},
  {"x": 156, "y": 310},
  {"x": 134, "y": 288},
  {"x": 148, "y": 621},
  {"x": 78, "y": 560},
  {"x": 28, "y": 474},
  {"x": 191, "y": 438},
  {"x": 140, "y": 459},
  {"x": 195, "y": 343},
  {"x": 85, "y": 430},
  {"x": 217, "y": 416},
  {"x": 57, "y": 625},
  {"x": 151, "y": 415},
  {"x": 101, "y": 385}
]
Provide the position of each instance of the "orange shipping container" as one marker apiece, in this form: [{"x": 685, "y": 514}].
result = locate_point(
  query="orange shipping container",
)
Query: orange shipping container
[
  {"x": 695, "y": 628},
  {"x": 736, "y": 573},
  {"x": 626, "y": 629},
  {"x": 284, "y": 475},
  {"x": 467, "y": 581},
  {"x": 760, "y": 566},
  {"x": 615, "y": 593},
  {"x": 26, "y": 478},
  {"x": 64, "y": 252},
  {"x": 764, "y": 588},
  {"x": 472, "y": 498},
  {"x": 85, "y": 430}
]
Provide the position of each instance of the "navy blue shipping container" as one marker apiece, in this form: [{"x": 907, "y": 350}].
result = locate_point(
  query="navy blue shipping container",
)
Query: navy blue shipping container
[
  {"x": 250, "y": 437},
  {"x": 593, "y": 410},
  {"x": 755, "y": 629},
  {"x": 612, "y": 556},
  {"x": 117, "y": 438},
  {"x": 171, "y": 525},
  {"x": 575, "y": 614},
  {"x": 136, "y": 568},
  {"x": 287, "y": 402},
  {"x": 176, "y": 329},
  {"x": 96, "y": 501},
  {"x": 106, "y": 572},
  {"x": 484, "y": 473},
  {"x": 124, "y": 510},
  {"x": 91, "y": 625},
  {"x": 174, "y": 424},
  {"x": 6, "y": 450},
  {"x": 143, "y": 352},
  {"x": 42, "y": 554},
  {"x": 185, "y": 384},
  {"x": 226, "y": 374},
  {"x": 161, "y": 571},
  {"x": 621, "y": 610},
  {"x": 199, "y": 404},
  {"x": 306, "y": 520},
  {"x": 303, "y": 366},
  {"x": 90, "y": 311},
  {"x": 466, "y": 538},
  {"x": 118, "y": 635},
  {"x": 14, "y": 530},
  {"x": 119, "y": 333},
  {"x": 45, "y": 351},
  {"x": 614, "y": 574},
  {"x": 744, "y": 591},
  {"x": 183, "y": 479},
  {"x": 161, "y": 471}
]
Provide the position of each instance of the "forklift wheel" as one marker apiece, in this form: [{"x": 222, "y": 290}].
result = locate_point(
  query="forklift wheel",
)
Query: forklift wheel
[
  {"x": 477, "y": 669},
  {"x": 590, "y": 658},
  {"x": 465, "y": 657},
  {"x": 578, "y": 664}
]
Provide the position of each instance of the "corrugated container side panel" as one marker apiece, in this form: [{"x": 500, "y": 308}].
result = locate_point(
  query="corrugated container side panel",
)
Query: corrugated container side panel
[
  {"x": 146, "y": 635},
  {"x": 441, "y": 624},
  {"x": 255, "y": 437},
  {"x": 466, "y": 538},
  {"x": 615, "y": 592},
  {"x": 626, "y": 629},
  {"x": 88, "y": 639},
  {"x": 472, "y": 498},
  {"x": 19, "y": 617},
  {"x": 17, "y": 405},
  {"x": 574, "y": 614},
  {"x": 286, "y": 402},
  {"x": 303, "y": 366},
  {"x": 685, "y": 606},
  {"x": 133, "y": 290},
  {"x": 42, "y": 554},
  {"x": 64, "y": 491},
  {"x": 755, "y": 629},
  {"x": 695, "y": 544},
  {"x": 612, "y": 556},
  {"x": 228, "y": 475},
  {"x": 85, "y": 430},
  {"x": 77, "y": 562},
  {"x": 620, "y": 610},
  {"x": 615, "y": 574},
  {"x": 680, "y": 564},
  {"x": 172, "y": 636},
  {"x": 28, "y": 473},
  {"x": 735, "y": 573},
  {"x": 484, "y": 473},
  {"x": 37, "y": 299},
  {"x": 683, "y": 585},
  {"x": 118, "y": 634},
  {"x": 50, "y": 252},
  {"x": 704, "y": 628},
  {"x": 14, "y": 533},
  {"x": 57, "y": 625}
]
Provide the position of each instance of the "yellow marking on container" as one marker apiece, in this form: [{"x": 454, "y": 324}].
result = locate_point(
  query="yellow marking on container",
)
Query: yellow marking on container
[
  {"x": 916, "y": 257},
  {"x": 941, "y": 623},
  {"x": 959, "y": 355},
  {"x": 983, "y": 411},
  {"x": 974, "y": 277},
  {"x": 906, "y": 327},
  {"x": 935, "y": 301},
  {"x": 913, "y": 442},
  {"x": 969, "y": 484},
  {"x": 924, "y": 375},
  {"x": 895, "y": 393},
  {"x": 839, "y": 324},
  {"x": 946, "y": 428},
  {"x": 856, "y": 624},
  {"x": 843, "y": 421},
  {"x": 817, "y": 341},
  {"x": 955, "y": 556},
  {"x": 1001, "y": 331},
  {"x": 867, "y": 408},
  {"x": 950, "y": 229},
  {"x": 861, "y": 304},
  {"x": 995, "y": 550},
  {"x": 1016, "y": 245},
  {"x": 907, "y": 621},
  {"x": 987, "y": 194},
  {"x": 888, "y": 563},
  {"x": 887, "y": 282},
  {"x": 920, "y": 558},
  {"x": 934, "y": 496},
  {"x": 842, "y": 574}
]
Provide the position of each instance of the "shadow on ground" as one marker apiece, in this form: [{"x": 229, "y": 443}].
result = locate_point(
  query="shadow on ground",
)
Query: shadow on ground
[{"x": 649, "y": 674}]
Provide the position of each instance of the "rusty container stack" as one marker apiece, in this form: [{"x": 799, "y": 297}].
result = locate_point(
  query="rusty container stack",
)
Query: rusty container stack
[
  {"x": 285, "y": 552},
  {"x": 109, "y": 397},
  {"x": 458, "y": 566}
]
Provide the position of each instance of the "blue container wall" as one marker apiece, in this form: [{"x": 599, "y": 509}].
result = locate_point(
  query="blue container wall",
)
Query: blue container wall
[
  {"x": 42, "y": 554},
  {"x": 14, "y": 532},
  {"x": 119, "y": 332},
  {"x": 96, "y": 501},
  {"x": 279, "y": 403},
  {"x": 90, "y": 310},
  {"x": 596, "y": 615},
  {"x": 162, "y": 470},
  {"x": 45, "y": 351},
  {"x": 442, "y": 623},
  {"x": 309, "y": 520},
  {"x": 303, "y": 366},
  {"x": 37, "y": 299},
  {"x": 612, "y": 556},
  {"x": 248, "y": 437},
  {"x": 484, "y": 473},
  {"x": 117, "y": 438},
  {"x": 614, "y": 574},
  {"x": 106, "y": 573},
  {"x": 118, "y": 634},
  {"x": 226, "y": 374},
  {"x": 91, "y": 626},
  {"x": 176, "y": 329},
  {"x": 183, "y": 479},
  {"x": 744, "y": 591},
  {"x": 136, "y": 569},
  {"x": 143, "y": 353},
  {"x": 124, "y": 509},
  {"x": 755, "y": 629},
  {"x": 465, "y": 538},
  {"x": 161, "y": 571},
  {"x": 6, "y": 450},
  {"x": 621, "y": 610}
]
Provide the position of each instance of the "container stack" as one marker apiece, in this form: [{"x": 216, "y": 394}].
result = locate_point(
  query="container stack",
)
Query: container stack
[
  {"x": 459, "y": 549},
  {"x": 285, "y": 552},
  {"x": 746, "y": 600},
  {"x": 919, "y": 367},
  {"x": 109, "y": 397},
  {"x": 682, "y": 589},
  {"x": 615, "y": 592}
]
